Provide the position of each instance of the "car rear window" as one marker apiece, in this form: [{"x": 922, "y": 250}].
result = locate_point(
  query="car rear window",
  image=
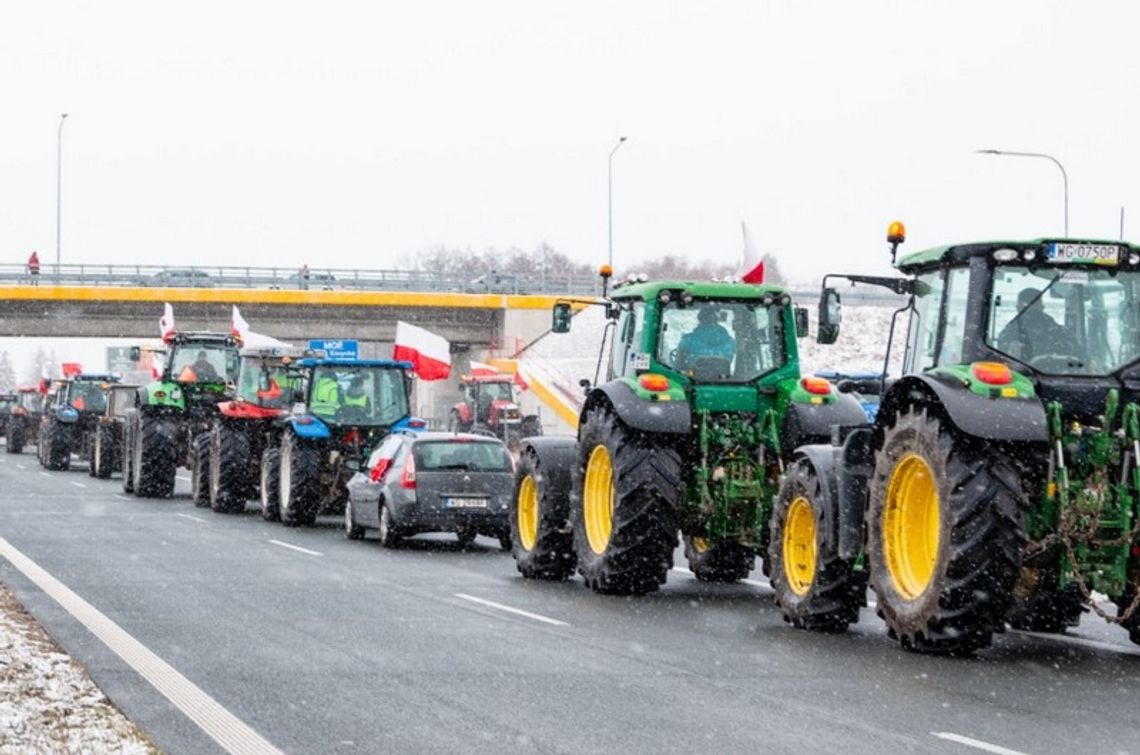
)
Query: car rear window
[{"x": 472, "y": 456}]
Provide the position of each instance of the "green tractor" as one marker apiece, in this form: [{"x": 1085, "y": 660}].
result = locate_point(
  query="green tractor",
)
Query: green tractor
[
  {"x": 169, "y": 426},
  {"x": 688, "y": 433},
  {"x": 999, "y": 481}
]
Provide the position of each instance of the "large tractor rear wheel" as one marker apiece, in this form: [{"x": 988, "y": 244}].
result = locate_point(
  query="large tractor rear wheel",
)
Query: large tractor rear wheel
[
  {"x": 56, "y": 454},
  {"x": 815, "y": 588},
  {"x": 943, "y": 535},
  {"x": 103, "y": 455},
  {"x": 200, "y": 470},
  {"x": 718, "y": 561},
  {"x": 1123, "y": 603},
  {"x": 624, "y": 506},
  {"x": 15, "y": 438},
  {"x": 270, "y": 484},
  {"x": 541, "y": 538},
  {"x": 229, "y": 465},
  {"x": 130, "y": 430},
  {"x": 156, "y": 456},
  {"x": 1039, "y": 605},
  {"x": 300, "y": 481}
]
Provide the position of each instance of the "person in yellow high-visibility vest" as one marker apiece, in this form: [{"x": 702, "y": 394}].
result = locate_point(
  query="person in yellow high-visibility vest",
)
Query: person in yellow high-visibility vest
[
  {"x": 327, "y": 397},
  {"x": 356, "y": 399}
]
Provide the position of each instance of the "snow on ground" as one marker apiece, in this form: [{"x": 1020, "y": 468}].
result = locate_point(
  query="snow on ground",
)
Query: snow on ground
[{"x": 48, "y": 703}]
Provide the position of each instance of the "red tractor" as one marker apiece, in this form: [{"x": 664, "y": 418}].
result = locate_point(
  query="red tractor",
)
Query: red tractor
[{"x": 489, "y": 406}]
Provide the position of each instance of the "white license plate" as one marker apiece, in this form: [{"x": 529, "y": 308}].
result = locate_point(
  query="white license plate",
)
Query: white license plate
[
  {"x": 1090, "y": 254},
  {"x": 465, "y": 503}
]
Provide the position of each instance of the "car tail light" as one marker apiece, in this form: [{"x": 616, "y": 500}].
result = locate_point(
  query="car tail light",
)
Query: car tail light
[
  {"x": 816, "y": 385},
  {"x": 408, "y": 476},
  {"x": 379, "y": 470}
]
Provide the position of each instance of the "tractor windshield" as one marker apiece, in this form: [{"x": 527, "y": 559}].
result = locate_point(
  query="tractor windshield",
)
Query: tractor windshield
[
  {"x": 721, "y": 341},
  {"x": 359, "y": 395},
  {"x": 268, "y": 384},
  {"x": 204, "y": 363},
  {"x": 87, "y": 396},
  {"x": 32, "y": 402},
  {"x": 1066, "y": 321},
  {"x": 496, "y": 391}
]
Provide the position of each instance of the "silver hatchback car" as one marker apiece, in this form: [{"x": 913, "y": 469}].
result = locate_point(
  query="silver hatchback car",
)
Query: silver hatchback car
[{"x": 433, "y": 482}]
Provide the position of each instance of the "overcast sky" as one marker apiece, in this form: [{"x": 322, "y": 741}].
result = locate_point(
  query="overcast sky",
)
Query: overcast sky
[{"x": 355, "y": 134}]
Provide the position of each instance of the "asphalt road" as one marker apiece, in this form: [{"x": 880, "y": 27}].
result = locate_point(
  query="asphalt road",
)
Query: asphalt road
[{"x": 347, "y": 647}]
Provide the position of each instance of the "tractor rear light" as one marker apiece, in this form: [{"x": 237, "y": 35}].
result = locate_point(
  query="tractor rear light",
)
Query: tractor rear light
[
  {"x": 377, "y": 473},
  {"x": 651, "y": 381},
  {"x": 816, "y": 385},
  {"x": 160, "y": 394},
  {"x": 992, "y": 373},
  {"x": 1005, "y": 254},
  {"x": 20, "y": 411},
  {"x": 1136, "y": 550},
  {"x": 408, "y": 476},
  {"x": 417, "y": 424}
]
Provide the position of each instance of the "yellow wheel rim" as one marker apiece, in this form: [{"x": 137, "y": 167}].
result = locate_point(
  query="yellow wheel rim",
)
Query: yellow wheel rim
[
  {"x": 700, "y": 544},
  {"x": 598, "y": 499},
  {"x": 800, "y": 546},
  {"x": 528, "y": 513},
  {"x": 911, "y": 526}
]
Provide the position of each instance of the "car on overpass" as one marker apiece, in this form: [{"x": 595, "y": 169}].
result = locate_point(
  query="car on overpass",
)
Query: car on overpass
[
  {"x": 180, "y": 277},
  {"x": 495, "y": 283}
]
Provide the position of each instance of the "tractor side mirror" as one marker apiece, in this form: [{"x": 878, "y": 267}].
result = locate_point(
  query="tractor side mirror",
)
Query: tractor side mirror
[
  {"x": 585, "y": 383},
  {"x": 135, "y": 353},
  {"x": 561, "y": 319},
  {"x": 830, "y": 315},
  {"x": 801, "y": 315}
]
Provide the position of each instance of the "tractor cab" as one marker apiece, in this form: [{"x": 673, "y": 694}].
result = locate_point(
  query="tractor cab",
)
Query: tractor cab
[{"x": 268, "y": 379}]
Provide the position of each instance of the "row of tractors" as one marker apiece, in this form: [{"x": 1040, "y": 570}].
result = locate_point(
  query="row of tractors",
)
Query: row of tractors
[{"x": 994, "y": 483}]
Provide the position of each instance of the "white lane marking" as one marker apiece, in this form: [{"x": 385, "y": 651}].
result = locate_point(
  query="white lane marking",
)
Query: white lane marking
[
  {"x": 21, "y": 466},
  {"x": 121, "y": 496},
  {"x": 754, "y": 582},
  {"x": 191, "y": 516},
  {"x": 508, "y": 609},
  {"x": 296, "y": 548},
  {"x": 975, "y": 743},
  {"x": 78, "y": 484},
  {"x": 234, "y": 735},
  {"x": 1098, "y": 644},
  {"x": 45, "y": 474}
]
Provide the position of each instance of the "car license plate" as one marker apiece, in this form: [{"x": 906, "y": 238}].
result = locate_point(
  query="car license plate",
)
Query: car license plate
[
  {"x": 1089, "y": 254},
  {"x": 465, "y": 503}
]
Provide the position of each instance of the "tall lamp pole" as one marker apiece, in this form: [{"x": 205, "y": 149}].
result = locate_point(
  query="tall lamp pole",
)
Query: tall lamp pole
[
  {"x": 1050, "y": 158},
  {"x": 58, "y": 188},
  {"x": 610, "y": 180}
]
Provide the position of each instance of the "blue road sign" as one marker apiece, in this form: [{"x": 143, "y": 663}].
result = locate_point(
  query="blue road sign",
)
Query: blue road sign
[{"x": 339, "y": 349}]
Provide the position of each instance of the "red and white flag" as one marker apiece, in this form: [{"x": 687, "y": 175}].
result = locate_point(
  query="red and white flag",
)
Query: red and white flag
[
  {"x": 238, "y": 326},
  {"x": 166, "y": 323},
  {"x": 429, "y": 354},
  {"x": 482, "y": 368},
  {"x": 752, "y": 267}
]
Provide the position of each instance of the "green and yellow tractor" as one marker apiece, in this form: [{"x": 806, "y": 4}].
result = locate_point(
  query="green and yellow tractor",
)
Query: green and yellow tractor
[
  {"x": 998, "y": 483},
  {"x": 688, "y": 433}
]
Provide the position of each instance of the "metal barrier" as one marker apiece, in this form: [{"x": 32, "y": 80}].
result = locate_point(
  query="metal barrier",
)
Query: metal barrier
[{"x": 327, "y": 279}]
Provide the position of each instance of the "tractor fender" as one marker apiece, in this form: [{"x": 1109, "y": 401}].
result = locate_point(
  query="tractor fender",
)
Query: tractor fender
[
  {"x": 672, "y": 417},
  {"x": 1008, "y": 419},
  {"x": 824, "y": 461},
  {"x": 856, "y": 463},
  {"x": 813, "y": 423},
  {"x": 558, "y": 461},
  {"x": 309, "y": 427}
]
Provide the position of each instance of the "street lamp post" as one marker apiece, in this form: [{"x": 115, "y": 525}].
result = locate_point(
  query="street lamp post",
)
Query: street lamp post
[
  {"x": 610, "y": 181},
  {"x": 58, "y": 188},
  {"x": 1050, "y": 158}
]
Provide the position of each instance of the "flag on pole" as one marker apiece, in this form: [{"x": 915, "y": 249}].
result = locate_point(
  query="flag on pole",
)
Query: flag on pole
[
  {"x": 752, "y": 267},
  {"x": 238, "y": 326},
  {"x": 481, "y": 368},
  {"x": 166, "y": 323},
  {"x": 429, "y": 354},
  {"x": 245, "y": 336},
  {"x": 71, "y": 369}
]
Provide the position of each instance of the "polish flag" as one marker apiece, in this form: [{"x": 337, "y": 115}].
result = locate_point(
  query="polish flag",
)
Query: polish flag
[
  {"x": 240, "y": 330},
  {"x": 752, "y": 267},
  {"x": 238, "y": 326},
  {"x": 166, "y": 323},
  {"x": 70, "y": 369},
  {"x": 481, "y": 368},
  {"x": 429, "y": 354}
]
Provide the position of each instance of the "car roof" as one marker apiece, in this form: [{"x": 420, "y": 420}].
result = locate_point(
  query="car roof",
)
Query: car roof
[{"x": 441, "y": 435}]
